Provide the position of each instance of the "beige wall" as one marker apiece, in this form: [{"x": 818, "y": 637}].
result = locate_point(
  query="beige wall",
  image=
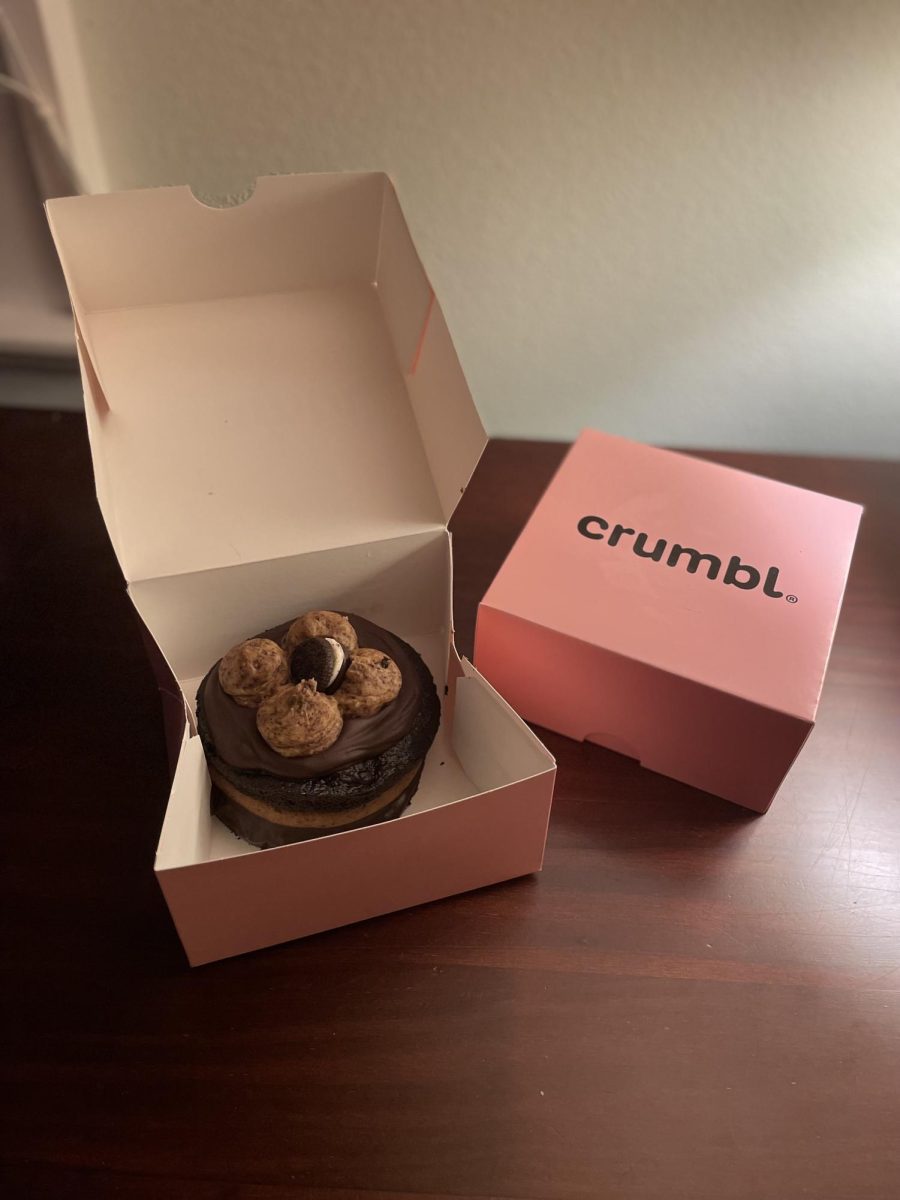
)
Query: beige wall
[{"x": 675, "y": 220}]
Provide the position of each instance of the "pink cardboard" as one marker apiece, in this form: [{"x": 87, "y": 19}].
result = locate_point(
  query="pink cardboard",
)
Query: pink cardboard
[
  {"x": 396, "y": 865},
  {"x": 674, "y": 610},
  {"x": 279, "y": 421}
]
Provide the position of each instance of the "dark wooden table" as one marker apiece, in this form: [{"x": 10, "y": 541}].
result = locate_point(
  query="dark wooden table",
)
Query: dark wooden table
[{"x": 688, "y": 1002}]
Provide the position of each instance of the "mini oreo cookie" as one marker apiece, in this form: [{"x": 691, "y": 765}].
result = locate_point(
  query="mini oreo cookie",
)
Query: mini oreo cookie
[{"x": 323, "y": 659}]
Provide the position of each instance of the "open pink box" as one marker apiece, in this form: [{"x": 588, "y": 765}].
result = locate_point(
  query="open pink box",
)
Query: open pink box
[
  {"x": 279, "y": 422},
  {"x": 674, "y": 610}
]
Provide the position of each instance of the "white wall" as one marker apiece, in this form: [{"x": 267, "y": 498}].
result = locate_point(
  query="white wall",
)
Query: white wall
[{"x": 678, "y": 220}]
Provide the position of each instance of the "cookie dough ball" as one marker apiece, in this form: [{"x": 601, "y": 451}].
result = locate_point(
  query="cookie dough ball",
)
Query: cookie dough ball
[
  {"x": 299, "y": 720},
  {"x": 252, "y": 671},
  {"x": 321, "y": 623},
  {"x": 373, "y": 680}
]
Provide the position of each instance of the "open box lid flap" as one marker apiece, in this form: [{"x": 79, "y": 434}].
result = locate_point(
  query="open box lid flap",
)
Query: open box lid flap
[{"x": 264, "y": 379}]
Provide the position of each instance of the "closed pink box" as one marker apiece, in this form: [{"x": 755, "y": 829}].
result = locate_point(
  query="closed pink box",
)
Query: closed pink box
[
  {"x": 674, "y": 610},
  {"x": 278, "y": 422}
]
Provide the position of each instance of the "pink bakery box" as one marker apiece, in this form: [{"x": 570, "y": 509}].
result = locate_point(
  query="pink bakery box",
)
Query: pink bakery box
[
  {"x": 278, "y": 422},
  {"x": 674, "y": 610}
]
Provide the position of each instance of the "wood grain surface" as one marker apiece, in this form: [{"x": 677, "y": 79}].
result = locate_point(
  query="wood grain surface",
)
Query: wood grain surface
[{"x": 688, "y": 1001}]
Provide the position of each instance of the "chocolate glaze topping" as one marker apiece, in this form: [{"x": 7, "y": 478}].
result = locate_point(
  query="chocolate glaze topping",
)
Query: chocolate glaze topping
[{"x": 232, "y": 729}]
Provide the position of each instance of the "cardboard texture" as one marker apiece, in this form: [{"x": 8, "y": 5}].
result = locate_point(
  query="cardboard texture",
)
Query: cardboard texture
[
  {"x": 674, "y": 610},
  {"x": 279, "y": 421}
]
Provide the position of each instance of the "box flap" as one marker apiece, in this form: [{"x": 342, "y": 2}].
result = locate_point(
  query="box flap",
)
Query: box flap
[{"x": 266, "y": 379}]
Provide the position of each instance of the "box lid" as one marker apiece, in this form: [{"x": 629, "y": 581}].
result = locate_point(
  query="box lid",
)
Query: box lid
[
  {"x": 711, "y": 574},
  {"x": 264, "y": 379}
]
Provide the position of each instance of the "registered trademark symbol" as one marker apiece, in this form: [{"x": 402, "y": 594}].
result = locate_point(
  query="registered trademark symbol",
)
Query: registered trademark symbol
[{"x": 791, "y": 599}]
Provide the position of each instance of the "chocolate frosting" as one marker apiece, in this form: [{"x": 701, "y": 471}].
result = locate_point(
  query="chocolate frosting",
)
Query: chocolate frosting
[{"x": 238, "y": 743}]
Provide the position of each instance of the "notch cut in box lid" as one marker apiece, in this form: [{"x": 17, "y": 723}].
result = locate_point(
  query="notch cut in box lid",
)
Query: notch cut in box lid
[{"x": 266, "y": 379}]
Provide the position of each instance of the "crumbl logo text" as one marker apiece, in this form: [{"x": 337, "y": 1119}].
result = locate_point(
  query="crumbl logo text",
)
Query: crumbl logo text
[{"x": 736, "y": 573}]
